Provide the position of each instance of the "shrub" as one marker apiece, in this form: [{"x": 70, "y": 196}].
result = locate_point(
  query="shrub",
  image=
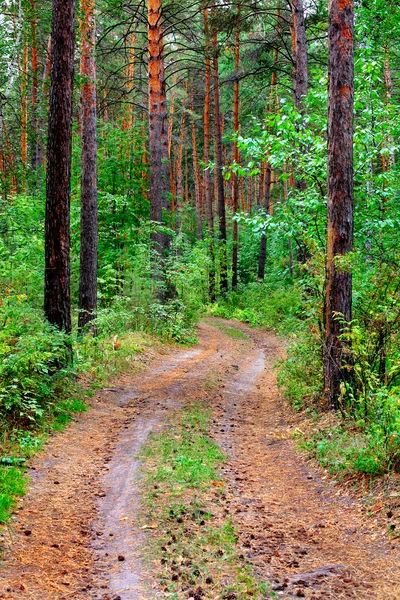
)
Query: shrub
[{"x": 31, "y": 353}]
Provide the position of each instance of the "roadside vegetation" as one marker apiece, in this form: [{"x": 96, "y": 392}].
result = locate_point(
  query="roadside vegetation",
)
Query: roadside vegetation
[
  {"x": 194, "y": 541},
  {"x": 212, "y": 198}
]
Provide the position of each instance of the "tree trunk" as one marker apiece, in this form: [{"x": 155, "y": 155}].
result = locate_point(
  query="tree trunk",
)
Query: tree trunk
[
  {"x": 196, "y": 177},
  {"x": 179, "y": 172},
  {"x": 158, "y": 138},
  {"x": 207, "y": 180},
  {"x": 170, "y": 133},
  {"x": 266, "y": 205},
  {"x": 89, "y": 234},
  {"x": 41, "y": 124},
  {"x": 34, "y": 89},
  {"x": 300, "y": 59},
  {"x": 24, "y": 105},
  {"x": 338, "y": 283},
  {"x": 235, "y": 190},
  {"x": 223, "y": 277},
  {"x": 57, "y": 299}
]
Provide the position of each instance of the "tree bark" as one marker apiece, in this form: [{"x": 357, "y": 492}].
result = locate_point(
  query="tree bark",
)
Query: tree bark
[
  {"x": 158, "y": 138},
  {"x": 34, "y": 88},
  {"x": 57, "y": 299},
  {"x": 44, "y": 92},
  {"x": 223, "y": 275},
  {"x": 207, "y": 180},
  {"x": 158, "y": 146},
  {"x": 236, "y": 158},
  {"x": 300, "y": 58},
  {"x": 266, "y": 205},
  {"x": 338, "y": 283},
  {"x": 24, "y": 105},
  {"x": 89, "y": 227},
  {"x": 197, "y": 182}
]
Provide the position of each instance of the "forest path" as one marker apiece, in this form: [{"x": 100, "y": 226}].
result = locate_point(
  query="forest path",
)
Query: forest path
[{"x": 76, "y": 534}]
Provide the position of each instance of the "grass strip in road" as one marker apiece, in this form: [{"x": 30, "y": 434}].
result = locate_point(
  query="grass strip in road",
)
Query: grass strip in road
[
  {"x": 231, "y": 332},
  {"x": 194, "y": 542}
]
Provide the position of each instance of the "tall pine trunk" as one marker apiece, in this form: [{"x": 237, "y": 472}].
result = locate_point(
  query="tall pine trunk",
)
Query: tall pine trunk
[
  {"x": 236, "y": 180},
  {"x": 34, "y": 86},
  {"x": 208, "y": 195},
  {"x": 57, "y": 299},
  {"x": 158, "y": 140},
  {"x": 223, "y": 272},
  {"x": 197, "y": 181},
  {"x": 338, "y": 283},
  {"x": 89, "y": 233}
]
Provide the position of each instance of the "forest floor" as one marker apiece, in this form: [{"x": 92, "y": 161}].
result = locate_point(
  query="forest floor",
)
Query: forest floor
[{"x": 79, "y": 532}]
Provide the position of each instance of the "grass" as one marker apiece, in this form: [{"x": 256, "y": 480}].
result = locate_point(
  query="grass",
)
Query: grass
[
  {"x": 344, "y": 448},
  {"x": 231, "y": 332},
  {"x": 195, "y": 544},
  {"x": 13, "y": 483},
  {"x": 100, "y": 361}
]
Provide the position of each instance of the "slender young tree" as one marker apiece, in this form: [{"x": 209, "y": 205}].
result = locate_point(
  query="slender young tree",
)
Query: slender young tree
[
  {"x": 24, "y": 104},
  {"x": 223, "y": 275},
  {"x": 266, "y": 204},
  {"x": 300, "y": 57},
  {"x": 57, "y": 299},
  {"x": 338, "y": 283},
  {"x": 89, "y": 233}
]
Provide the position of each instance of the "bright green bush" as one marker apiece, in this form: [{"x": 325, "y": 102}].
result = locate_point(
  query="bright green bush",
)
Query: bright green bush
[
  {"x": 33, "y": 356},
  {"x": 264, "y": 306}
]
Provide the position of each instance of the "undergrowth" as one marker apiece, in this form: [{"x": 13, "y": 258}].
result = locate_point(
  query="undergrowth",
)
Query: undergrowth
[
  {"x": 194, "y": 542},
  {"x": 364, "y": 437},
  {"x": 45, "y": 375}
]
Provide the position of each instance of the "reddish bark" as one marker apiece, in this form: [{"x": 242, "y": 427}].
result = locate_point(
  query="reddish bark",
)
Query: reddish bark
[
  {"x": 207, "y": 180},
  {"x": 57, "y": 303},
  {"x": 223, "y": 277},
  {"x": 34, "y": 89},
  {"x": 24, "y": 104},
  {"x": 158, "y": 135},
  {"x": 300, "y": 58},
  {"x": 338, "y": 283}
]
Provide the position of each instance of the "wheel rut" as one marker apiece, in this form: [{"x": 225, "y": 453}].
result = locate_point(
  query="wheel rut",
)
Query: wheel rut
[{"x": 295, "y": 528}]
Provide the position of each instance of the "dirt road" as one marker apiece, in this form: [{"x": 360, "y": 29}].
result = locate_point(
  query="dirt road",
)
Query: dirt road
[{"x": 76, "y": 533}]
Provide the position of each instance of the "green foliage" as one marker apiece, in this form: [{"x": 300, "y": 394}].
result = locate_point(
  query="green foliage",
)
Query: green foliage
[
  {"x": 261, "y": 305},
  {"x": 31, "y": 354},
  {"x": 171, "y": 321},
  {"x": 12, "y": 485},
  {"x": 300, "y": 373},
  {"x": 348, "y": 446}
]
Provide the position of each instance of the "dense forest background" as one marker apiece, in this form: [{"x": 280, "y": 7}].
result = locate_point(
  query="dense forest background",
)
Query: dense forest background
[{"x": 219, "y": 206}]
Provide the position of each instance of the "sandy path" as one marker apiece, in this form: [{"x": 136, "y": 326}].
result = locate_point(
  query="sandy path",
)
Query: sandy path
[{"x": 76, "y": 532}]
